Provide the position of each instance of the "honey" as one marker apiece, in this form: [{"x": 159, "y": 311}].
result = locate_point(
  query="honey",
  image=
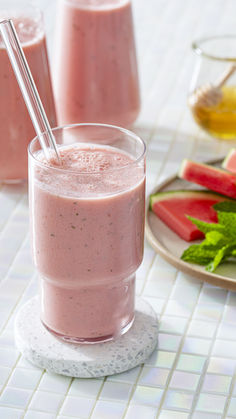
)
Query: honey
[{"x": 218, "y": 120}]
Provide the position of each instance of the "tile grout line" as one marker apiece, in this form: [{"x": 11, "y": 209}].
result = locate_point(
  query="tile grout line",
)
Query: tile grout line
[
  {"x": 18, "y": 202},
  {"x": 21, "y": 295},
  {"x": 204, "y": 370},
  {"x": 14, "y": 257},
  {"x": 97, "y": 397},
  {"x": 12, "y": 370},
  {"x": 13, "y": 309},
  {"x": 134, "y": 386},
  {"x": 64, "y": 396},
  {"x": 147, "y": 274},
  {"x": 33, "y": 393},
  {"x": 177, "y": 354},
  {"x": 172, "y": 142},
  {"x": 233, "y": 380}
]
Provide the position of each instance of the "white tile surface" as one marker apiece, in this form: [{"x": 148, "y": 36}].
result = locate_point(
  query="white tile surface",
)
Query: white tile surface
[
  {"x": 221, "y": 365},
  {"x": 147, "y": 395},
  {"x": 54, "y": 383},
  {"x": 162, "y": 359},
  {"x": 178, "y": 400},
  {"x": 191, "y": 363},
  {"x": 138, "y": 411},
  {"x": 127, "y": 376},
  {"x": 184, "y": 381},
  {"x": 15, "y": 397},
  {"x": 196, "y": 346},
  {"x": 32, "y": 414},
  {"x": 214, "y": 383},
  {"x": 8, "y": 356},
  {"x": 211, "y": 403},
  {"x": 46, "y": 402},
  {"x": 79, "y": 407},
  {"x": 108, "y": 410},
  {"x": 4, "y": 374},
  {"x": 232, "y": 407},
  {"x": 154, "y": 376},
  {"x": 24, "y": 378},
  {"x": 11, "y": 413},
  {"x": 224, "y": 348},
  {"x": 84, "y": 387},
  {"x": 202, "y": 328},
  {"x": 197, "y": 343},
  {"x": 170, "y": 414},
  {"x": 115, "y": 391}
]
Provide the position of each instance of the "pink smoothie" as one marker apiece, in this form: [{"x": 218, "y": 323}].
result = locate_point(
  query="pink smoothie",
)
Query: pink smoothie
[
  {"x": 88, "y": 240},
  {"x": 95, "y": 69},
  {"x": 16, "y": 127}
]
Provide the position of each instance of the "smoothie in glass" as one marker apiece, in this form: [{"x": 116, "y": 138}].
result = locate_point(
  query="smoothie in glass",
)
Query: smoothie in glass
[
  {"x": 87, "y": 223},
  {"x": 16, "y": 126},
  {"x": 95, "y": 69}
]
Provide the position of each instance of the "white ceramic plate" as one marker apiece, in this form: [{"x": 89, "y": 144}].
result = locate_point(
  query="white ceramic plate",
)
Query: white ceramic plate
[{"x": 170, "y": 246}]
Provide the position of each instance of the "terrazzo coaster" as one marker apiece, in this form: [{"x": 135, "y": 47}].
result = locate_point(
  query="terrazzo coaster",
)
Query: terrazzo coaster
[{"x": 44, "y": 350}]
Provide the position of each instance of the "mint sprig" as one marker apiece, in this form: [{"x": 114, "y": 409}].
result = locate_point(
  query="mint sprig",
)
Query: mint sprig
[{"x": 220, "y": 238}]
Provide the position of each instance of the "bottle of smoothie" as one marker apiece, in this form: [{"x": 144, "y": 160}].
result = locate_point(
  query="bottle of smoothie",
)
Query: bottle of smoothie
[
  {"x": 16, "y": 126},
  {"x": 95, "y": 69},
  {"x": 87, "y": 230}
]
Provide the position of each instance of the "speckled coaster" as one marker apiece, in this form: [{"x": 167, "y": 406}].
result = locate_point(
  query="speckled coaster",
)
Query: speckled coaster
[{"x": 44, "y": 350}]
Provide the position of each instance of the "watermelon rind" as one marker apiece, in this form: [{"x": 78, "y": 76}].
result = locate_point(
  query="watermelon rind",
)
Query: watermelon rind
[
  {"x": 212, "y": 178},
  {"x": 182, "y": 167},
  {"x": 190, "y": 193},
  {"x": 186, "y": 162},
  {"x": 227, "y": 159}
]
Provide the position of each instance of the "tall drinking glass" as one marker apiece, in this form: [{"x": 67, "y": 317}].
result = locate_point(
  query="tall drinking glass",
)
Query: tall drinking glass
[
  {"x": 87, "y": 228},
  {"x": 16, "y": 127},
  {"x": 95, "y": 68}
]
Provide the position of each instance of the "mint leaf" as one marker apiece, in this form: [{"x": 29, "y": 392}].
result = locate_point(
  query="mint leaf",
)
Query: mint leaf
[
  {"x": 225, "y": 206},
  {"x": 226, "y": 212},
  {"x": 228, "y": 220},
  {"x": 197, "y": 253},
  {"x": 221, "y": 255},
  {"x": 217, "y": 239},
  {"x": 220, "y": 238},
  {"x": 206, "y": 227}
]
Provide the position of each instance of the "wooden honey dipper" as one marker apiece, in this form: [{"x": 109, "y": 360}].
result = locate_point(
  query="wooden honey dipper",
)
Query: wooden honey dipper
[{"x": 211, "y": 95}]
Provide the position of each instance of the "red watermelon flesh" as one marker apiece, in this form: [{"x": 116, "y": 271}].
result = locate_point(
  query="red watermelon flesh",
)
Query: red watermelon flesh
[
  {"x": 216, "y": 180},
  {"x": 173, "y": 206}
]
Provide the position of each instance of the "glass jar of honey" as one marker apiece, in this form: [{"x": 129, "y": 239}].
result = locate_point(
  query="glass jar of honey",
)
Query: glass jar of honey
[{"x": 212, "y": 97}]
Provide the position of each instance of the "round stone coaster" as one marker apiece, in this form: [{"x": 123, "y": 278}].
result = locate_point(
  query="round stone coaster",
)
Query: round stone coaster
[{"x": 45, "y": 350}]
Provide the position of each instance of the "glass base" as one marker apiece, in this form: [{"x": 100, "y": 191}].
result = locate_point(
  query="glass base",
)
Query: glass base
[{"x": 86, "y": 341}]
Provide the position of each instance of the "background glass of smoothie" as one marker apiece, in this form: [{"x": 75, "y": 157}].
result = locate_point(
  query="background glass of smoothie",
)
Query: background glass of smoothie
[
  {"x": 95, "y": 68},
  {"x": 16, "y": 126},
  {"x": 87, "y": 230}
]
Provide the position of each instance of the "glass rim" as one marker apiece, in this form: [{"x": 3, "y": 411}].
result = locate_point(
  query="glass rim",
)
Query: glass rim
[
  {"x": 198, "y": 48},
  {"x": 16, "y": 11},
  {"x": 32, "y": 11},
  {"x": 74, "y": 172}
]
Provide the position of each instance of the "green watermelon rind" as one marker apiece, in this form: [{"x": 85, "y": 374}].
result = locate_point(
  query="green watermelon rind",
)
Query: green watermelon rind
[
  {"x": 186, "y": 162},
  {"x": 204, "y": 194},
  {"x": 227, "y": 158}
]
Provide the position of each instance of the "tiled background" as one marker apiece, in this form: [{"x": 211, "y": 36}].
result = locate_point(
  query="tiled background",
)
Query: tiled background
[{"x": 192, "y": 375}]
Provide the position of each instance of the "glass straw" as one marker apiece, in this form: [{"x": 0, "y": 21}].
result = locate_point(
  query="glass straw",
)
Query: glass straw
[{"x": 28, "y": 88}]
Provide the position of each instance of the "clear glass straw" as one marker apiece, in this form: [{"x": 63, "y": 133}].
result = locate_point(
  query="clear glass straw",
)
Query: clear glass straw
[{"x": 28, "y": 88}]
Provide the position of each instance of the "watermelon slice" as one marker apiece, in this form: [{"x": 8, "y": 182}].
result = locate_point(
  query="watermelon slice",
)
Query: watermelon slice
[
  {"x": 212, "y": 178},
  {"x": 173, "y": 206},
  {"x": 229, "y": 162}
]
